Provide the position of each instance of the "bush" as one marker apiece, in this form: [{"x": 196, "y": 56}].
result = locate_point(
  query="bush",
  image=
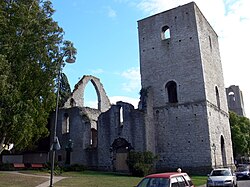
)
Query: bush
[
  {"x": 57, "y": 169},
  {"x": 140, "y": 163},
  {"x": 6, "y": 167},
  {"x": 74, "y": 167}
]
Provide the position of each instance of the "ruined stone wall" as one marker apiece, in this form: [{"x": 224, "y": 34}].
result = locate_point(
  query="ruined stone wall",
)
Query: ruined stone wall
[
  {"x": 219, "y": 128},
  {"x": 217, "y": 108},
  {"x": 186, "y": 125},
  {"x": 182, "y": 136},
  {"x": 110, "y": 128},
  {"x": 77, "y": 97},
  {"x": 177, "y": 58},
  {"x": 81, "y": 120},
  {"x": 235, "y": 100}
]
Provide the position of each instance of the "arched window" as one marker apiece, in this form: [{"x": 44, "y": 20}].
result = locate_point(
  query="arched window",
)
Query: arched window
[
  {"x": 231, "y": 97},
  {"x": 223, "y": 151},
  {"x": 121, "y": 117},
  {"x": 217, "y": 97},
  {"x": 165, "y": 33},
  {"x": 65, "y": 124},
  {"x": 72, "y": 102},
  {"x": 93, "y": 140},
  {"x": 171, "y": 89},
  {"x": 210, "y": 42}
]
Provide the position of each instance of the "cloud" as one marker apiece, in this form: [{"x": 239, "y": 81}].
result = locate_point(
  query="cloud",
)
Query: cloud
[
  {"x": 113, "y": 100},
  {"x": 91, "y": 104},
  {"x": 97, "y": 71},
  {"x": 130, "y": 100},
  {"x": 231, "y": 21},
  {"x": 111, "y": 12},
  {"x": 133, "y": 78}
]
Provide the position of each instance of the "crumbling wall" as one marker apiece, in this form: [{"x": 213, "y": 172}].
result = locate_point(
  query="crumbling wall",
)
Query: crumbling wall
[
  {"x": 77, "y": 96},
  {"x": 111, "y": 127},
  {"x": 235, "y": 100}
]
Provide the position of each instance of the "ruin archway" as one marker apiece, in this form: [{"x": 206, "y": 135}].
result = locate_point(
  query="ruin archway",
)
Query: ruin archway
[{"x": 78, "y": 93}]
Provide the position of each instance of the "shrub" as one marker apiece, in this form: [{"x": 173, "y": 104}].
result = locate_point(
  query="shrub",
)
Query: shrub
[
  {"x": 57, "y": 169},
  {"x": 74, "y": 167},
  {"x": 140, "y": 163},
  {"x": 6, "y": 167}
]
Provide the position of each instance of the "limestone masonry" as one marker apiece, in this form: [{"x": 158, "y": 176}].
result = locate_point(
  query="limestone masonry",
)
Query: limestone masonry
[{"x": 182, "y": 115}]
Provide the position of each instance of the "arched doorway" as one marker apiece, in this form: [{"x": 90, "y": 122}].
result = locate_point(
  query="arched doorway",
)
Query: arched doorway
[
  {"x": 223, "y": 151},
  {"x": 120, "y": 148}
]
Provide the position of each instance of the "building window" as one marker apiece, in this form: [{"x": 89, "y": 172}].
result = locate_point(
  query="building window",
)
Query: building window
[
  {"x": 121, "y": 117},
  {"x": 165, "y": 33},
  {"x": 171, "y": 89},
  {"x": 93, "y": 140},
  {"x": 210, "y": 42},
  {"x": 65, "y": 124},
  {"x": 231, "y": 97},
  {"x": 217, "y": 97},
  {"x": 72, "y": 102}
]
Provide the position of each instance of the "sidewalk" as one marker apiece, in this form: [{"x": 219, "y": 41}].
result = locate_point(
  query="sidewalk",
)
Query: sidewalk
[{"x": 47, "y": 183}]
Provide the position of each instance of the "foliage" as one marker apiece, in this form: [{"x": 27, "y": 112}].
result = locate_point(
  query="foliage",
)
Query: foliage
[
  {"x": 65, "y": 90},
  {"x": 31, "y": 45},
  {"x": 240, "y": 130},
  {"x": 74, "y": 167},
  {"x": 58, "y": 170},
  {"x": 6, "y": 167},
  {"x": 141, "y": 163}
]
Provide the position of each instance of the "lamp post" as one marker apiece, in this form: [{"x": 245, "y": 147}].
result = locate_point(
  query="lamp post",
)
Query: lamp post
[
  {"x": 55, "y": 146},
  {"x": 214, "y": 149}
]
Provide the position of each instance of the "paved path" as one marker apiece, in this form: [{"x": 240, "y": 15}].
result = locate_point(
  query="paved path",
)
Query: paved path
[{"x": 47, "y": 183}]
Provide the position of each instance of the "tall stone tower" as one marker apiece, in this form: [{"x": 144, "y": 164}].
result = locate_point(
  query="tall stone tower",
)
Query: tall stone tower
[
  {"x": 186, "y": 108},
  {"x": 235, "y": 100}
]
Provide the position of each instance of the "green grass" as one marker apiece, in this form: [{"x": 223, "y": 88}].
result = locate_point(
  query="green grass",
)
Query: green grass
[
  {"x": 97, "y": 179},
  {"x": 76, "y": 179},
  {"x": 17, "y": 180},
  {"x": 199, "y": 180}
]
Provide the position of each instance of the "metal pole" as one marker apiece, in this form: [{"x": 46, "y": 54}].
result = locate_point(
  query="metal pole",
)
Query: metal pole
[
  {"x": 55, "y": 126},
  {"x": 70, "y": 59}
]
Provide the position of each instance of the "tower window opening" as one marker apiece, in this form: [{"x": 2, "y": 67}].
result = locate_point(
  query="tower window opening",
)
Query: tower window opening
[
  {"x": 72, "y": 102},
  {"x": 165, "y": 33},
  {"x": 121, "y": 117},
  {"x": 217, "y": 97},
  {"x": 231, "y": 96},
  {"x": 210, "y": 42},
  {"x": 93, "y": 139},
  {"x": 65, "y": 124},
  {"x": 171, "y": 89}
]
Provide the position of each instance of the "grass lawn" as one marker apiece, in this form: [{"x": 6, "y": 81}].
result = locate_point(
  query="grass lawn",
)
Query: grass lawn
[
  {"x": 97, "y": 179},
  {"x": 83, "y": 179},
  {"x": 199, "y": 180},
  {"x": 17, "y": 180}
]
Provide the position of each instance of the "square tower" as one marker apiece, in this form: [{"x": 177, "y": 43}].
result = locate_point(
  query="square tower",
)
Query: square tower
[{"x": 187, "y": 121}]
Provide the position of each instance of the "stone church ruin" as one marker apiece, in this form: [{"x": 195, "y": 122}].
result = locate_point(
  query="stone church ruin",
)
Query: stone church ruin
[{"x": 182, "y": 115}]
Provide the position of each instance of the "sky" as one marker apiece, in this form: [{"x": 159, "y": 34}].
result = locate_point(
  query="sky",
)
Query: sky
[{"x": 106, "y": 37}]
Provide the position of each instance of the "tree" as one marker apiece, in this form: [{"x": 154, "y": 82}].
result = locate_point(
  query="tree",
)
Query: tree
[
  {"x": 65, "y": 90},
  {"x": 240, "y": 130},
  {"x": 31, "y": 47}
]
